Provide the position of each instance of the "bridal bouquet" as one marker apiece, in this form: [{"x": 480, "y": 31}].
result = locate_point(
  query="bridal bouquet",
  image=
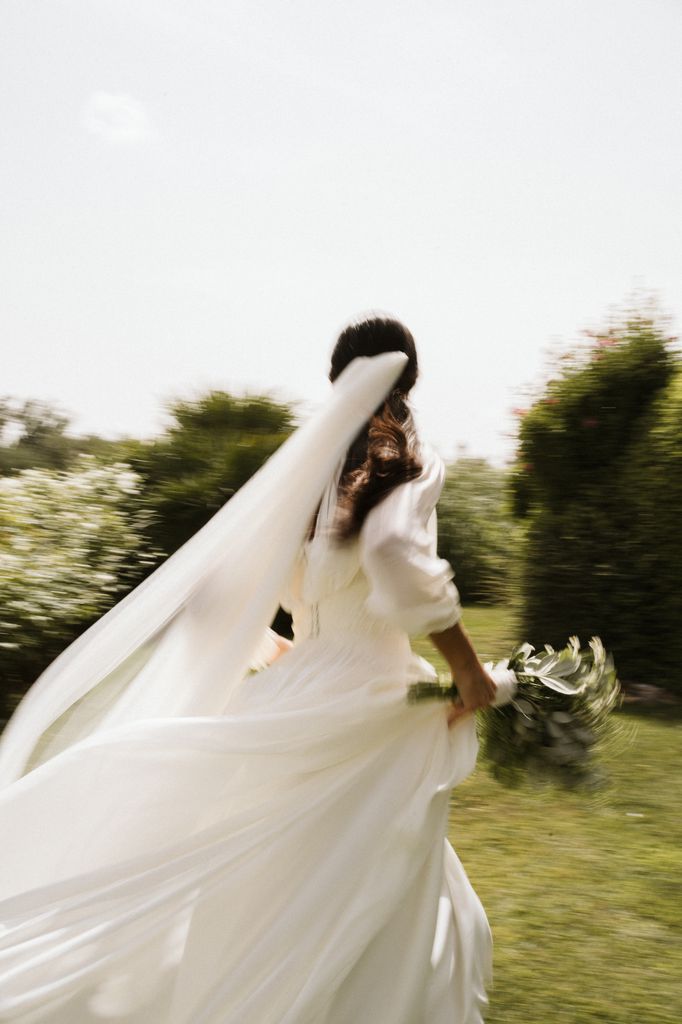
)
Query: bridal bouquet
[{"x": 550, "y": 711}]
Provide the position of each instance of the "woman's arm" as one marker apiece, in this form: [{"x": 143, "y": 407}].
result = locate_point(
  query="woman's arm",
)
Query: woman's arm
[
  {"x": 270, "y": 647},
  {"x": 476, "y": 688},
  {"x": 412, "y": 587},
  {"x": 283, "y": 645}
]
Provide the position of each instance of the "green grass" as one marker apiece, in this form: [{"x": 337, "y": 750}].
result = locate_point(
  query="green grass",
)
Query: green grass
[{"x": 583, "y": 891}]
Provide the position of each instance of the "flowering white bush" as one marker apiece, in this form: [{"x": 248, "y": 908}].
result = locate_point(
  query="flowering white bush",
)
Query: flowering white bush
[{"x": 70, "y": 543}]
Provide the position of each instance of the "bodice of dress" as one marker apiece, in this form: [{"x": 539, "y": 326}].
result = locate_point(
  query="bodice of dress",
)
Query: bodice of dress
[{"x": 388, "y": 581}]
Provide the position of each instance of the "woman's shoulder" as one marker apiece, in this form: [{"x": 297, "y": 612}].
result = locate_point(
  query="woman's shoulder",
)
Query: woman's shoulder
[{"x": 412, "y": 500}]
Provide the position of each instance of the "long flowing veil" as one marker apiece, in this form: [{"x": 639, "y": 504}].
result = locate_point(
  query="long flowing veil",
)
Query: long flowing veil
[{"x": 184, "y": 639}]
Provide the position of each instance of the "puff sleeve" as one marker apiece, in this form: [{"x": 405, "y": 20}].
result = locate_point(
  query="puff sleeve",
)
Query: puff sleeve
[{"x": 410, "y": 586}]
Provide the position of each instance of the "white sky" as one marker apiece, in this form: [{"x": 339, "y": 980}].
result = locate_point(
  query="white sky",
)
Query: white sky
[{"x": 199, "y": 194}]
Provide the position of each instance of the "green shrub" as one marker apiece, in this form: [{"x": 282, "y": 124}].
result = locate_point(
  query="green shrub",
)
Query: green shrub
[
  {"x": 651, "y": 607},
  {"x": 211, "y": 448},
  {"x": 598, "y": 480},
  {"x": 476, "y": 532},
  {"x": 71, "y": 542}
]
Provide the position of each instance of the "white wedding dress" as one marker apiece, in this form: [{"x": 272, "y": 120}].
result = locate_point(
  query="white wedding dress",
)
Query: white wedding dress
[{"x": 284, "y": 861}]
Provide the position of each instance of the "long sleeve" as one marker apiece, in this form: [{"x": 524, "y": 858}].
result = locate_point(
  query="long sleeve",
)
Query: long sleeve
[{"x": 411, "y": 587}]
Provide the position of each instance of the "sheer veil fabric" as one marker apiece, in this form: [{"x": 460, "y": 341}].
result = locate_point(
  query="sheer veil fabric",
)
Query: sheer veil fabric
[
  {"x": 216, "y": 595},
  {"x": 186, "y": 842}
]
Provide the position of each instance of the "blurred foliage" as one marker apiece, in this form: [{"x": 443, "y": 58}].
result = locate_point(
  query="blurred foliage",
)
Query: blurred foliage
[
  {"x": 598, "y": 480},
  {"x": 84, "y": 519},
  {"x": 212, "y": 447},
  {"x": 33, "y": 435},
  {"x": 651, "y": 601},
  {"x": 476, "y": 531},
  {"x": 71, "y": 543}
]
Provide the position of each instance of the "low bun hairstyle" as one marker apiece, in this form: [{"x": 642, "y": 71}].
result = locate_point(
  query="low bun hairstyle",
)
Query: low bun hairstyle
[{"x": 386, "y": 451}]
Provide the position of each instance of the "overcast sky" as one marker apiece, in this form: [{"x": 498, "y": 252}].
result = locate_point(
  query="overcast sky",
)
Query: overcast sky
[{"x": 199, "y": 194}]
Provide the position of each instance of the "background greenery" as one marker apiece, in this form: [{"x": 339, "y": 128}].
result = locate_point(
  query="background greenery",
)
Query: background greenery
[
  {"x": 83, "y": 519},
  {"x": 477, "y": 532},
  {"x": 581, "y": 533},
  {"x": 598, "y": 484}
]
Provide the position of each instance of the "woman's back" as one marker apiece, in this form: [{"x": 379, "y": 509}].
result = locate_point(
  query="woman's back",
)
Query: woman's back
[
  {"x": 355, "y": 604},
  {"x": 388, "y": 580}
]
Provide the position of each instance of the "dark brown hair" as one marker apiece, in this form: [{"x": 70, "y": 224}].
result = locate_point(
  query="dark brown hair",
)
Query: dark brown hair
[{"x": 385, "y": 453}]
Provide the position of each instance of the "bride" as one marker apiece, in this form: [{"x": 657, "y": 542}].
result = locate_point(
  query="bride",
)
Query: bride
[{"x": 204, "y": 823}]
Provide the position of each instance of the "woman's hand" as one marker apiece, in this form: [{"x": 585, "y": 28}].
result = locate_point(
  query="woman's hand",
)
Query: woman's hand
[
  {"x": 475, "y": 686},
  {"x": 283, "y": 645},
  {"x": 476, "y": 690}
]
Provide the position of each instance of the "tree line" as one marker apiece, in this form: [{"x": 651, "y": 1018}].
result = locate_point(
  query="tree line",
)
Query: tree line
[{"x": 581, "y": 532}]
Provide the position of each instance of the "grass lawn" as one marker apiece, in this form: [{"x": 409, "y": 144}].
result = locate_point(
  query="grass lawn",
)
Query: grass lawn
[{"x": 583, "y": 891}]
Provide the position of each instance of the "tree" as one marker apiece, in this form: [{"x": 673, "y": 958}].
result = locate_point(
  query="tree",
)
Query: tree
[
  {"x": 212, "y": 447},
  {"x": 476, "y": 531},
  {"x": 651, "y": 605},
  {"x": 33, "y": 434},
  {"x": 588, "y": 449}
]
